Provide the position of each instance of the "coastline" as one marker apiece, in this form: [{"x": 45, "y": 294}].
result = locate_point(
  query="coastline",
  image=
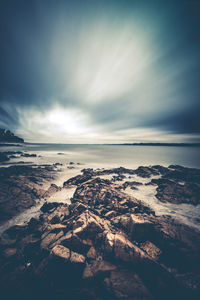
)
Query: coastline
[{"x": 89, "y": 224}]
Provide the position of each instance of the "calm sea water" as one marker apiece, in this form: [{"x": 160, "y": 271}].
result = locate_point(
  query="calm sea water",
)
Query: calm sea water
[{"x": 112, "y": 156}]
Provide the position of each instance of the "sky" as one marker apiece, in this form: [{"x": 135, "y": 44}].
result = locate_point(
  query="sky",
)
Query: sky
[{"x": 100, "y": 71}]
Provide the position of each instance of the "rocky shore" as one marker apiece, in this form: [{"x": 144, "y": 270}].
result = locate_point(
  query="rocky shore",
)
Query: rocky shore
[
  {"x": 21, "y": 187},
  {"x": 106, "y": 244}
]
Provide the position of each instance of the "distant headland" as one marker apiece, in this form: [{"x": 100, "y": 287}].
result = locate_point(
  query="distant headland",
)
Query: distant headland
[
  {"x": 6, "y": 136},
  {"x": 161, "y": 144}
]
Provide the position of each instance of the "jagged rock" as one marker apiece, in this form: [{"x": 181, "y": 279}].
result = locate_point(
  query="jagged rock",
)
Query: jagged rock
[
  {"x": 77, "y": 180},
  {"x": 59, "y": 212},
  {"x": 8, "y": 252},
  {"x": 88, "y": 224},
  {"x": 98, "y": 267},
  {"x": 18, "y": 190},
  {"x": 146, "y": 172},
  {"x": 120, "y": 247},
  {"x": 139, "y": 227},
  {"x": 92, "y": 253},
  {"x": 151, "y": 249},
  {"x": 48, "y": 206},
  {"x": 126, "y": 284},
  {"x": 64, "y": 253},
  {"x": 72, "y": 241},
  {"x": 49, "y": 240},
  {"x": 105, "y": 245},
  {"x": 4, "y": 157}
]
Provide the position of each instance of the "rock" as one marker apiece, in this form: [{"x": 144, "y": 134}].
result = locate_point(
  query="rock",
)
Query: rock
[
  {"x": 28, "y": 155},
  {"x": 120, "y": 247},
  {"x": 77, "y": 258},
  {"x": 48, "y": 206},
  {"x": 77, "y": 180},
  {"x": 146, "y": 172},
  {"x": 8, "y": 252},
  {"x": 110, "y": 214},
  {"x": 179, "y": 185},
  {"x": 105, "y": 245},
  {"x": 151, "y": 249},
  {"x": 66, "y": 254},
  {"x": 61, "y": 251},
  {"x": 125, "y": 284},
  {"x": 92, "y": 253},
  {"x": 131, "y": 184},
  {"x": 72, "y": 241},
  {"x": 97, "y": 267},
  {"x": 139, "y": 227},
  {"x": 89, "y": 225},
  {"x": 3, "y": 157},
  {"x": 51, "y": 190},
  {"x": 49, "y": 240},
  {"x": 19, "y": 190}
]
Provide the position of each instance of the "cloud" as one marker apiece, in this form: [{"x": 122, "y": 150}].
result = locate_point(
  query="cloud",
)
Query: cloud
[{"x": 99, "y": 71}]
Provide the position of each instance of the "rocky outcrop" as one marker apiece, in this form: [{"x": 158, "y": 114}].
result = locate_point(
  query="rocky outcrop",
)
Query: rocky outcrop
[
  {"x": 104, "y": 245},
  {"x": 8, "y": 136},
  {"x": 3, "y": 157},
  {"x": 7, "y": 155},
  {"x": 20, "y": 187},
  {"x": 179, "y": 185}
]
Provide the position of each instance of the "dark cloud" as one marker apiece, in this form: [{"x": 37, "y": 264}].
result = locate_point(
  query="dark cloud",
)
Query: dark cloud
[
  {"x": 183, "y": 122},
  {"x": 122, "y": 64},
  {"x": 8, "y": 120}
]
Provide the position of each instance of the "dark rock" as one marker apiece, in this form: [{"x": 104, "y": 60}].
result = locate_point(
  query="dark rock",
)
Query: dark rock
[
  {"x": 28, "y": 155},
  {"x": 77, "y": 180},
  {"x": 8, "y": 136},
  {"x": 126, "y": 284},
  {"x": 179, "y": 185},
  {"x": 48, "y": 206},
  {"x": 3, "y": 157},
  {"x": 20, "y": 188},
  {"x": 105, "y": 245}
]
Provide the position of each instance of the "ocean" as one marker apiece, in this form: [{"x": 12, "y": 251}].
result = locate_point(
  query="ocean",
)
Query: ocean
[{"x": 110, "y": 155}]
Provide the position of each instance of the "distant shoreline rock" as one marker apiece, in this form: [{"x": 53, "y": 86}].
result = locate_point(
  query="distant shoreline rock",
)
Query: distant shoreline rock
[{"x": 9, "y": 137}]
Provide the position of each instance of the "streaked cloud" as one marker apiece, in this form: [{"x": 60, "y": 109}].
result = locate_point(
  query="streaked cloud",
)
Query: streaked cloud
[{"x": 109, "y": 71}]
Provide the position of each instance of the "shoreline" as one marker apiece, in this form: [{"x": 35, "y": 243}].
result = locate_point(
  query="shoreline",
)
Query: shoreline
[
  {"x": 107, "y": 231},
  {"x": 105, "y": 238},
  {"x": 145, "y": 183}
]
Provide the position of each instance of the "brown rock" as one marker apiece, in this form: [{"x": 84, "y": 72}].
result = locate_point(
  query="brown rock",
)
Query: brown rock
[
  {"x": 50, "y": 239},
  {"x": 98, "y": 267},
  {"x": 77, "y": 258},
  {"x": 126, "y": 284},
  {"x": 61, "y": 252},
  {"x": 119, "y": 246},
  {"x": 73, "y": 242},
  {"x": 9, "y": 252},
  {"x": 65, "y": 253},
  {"x": 92, "y": 253},
  {"x": 88, "y": 224},
  {"x": 151, "y": 249}
]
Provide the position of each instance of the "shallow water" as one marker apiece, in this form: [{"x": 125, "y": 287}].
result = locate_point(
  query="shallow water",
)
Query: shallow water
[
  {"x": 186, "y": 213},
  {"x": 110, "y": 155}
]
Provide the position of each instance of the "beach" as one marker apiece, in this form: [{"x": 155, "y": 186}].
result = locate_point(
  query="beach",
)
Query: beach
[{"x": 104, "y": 226}]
